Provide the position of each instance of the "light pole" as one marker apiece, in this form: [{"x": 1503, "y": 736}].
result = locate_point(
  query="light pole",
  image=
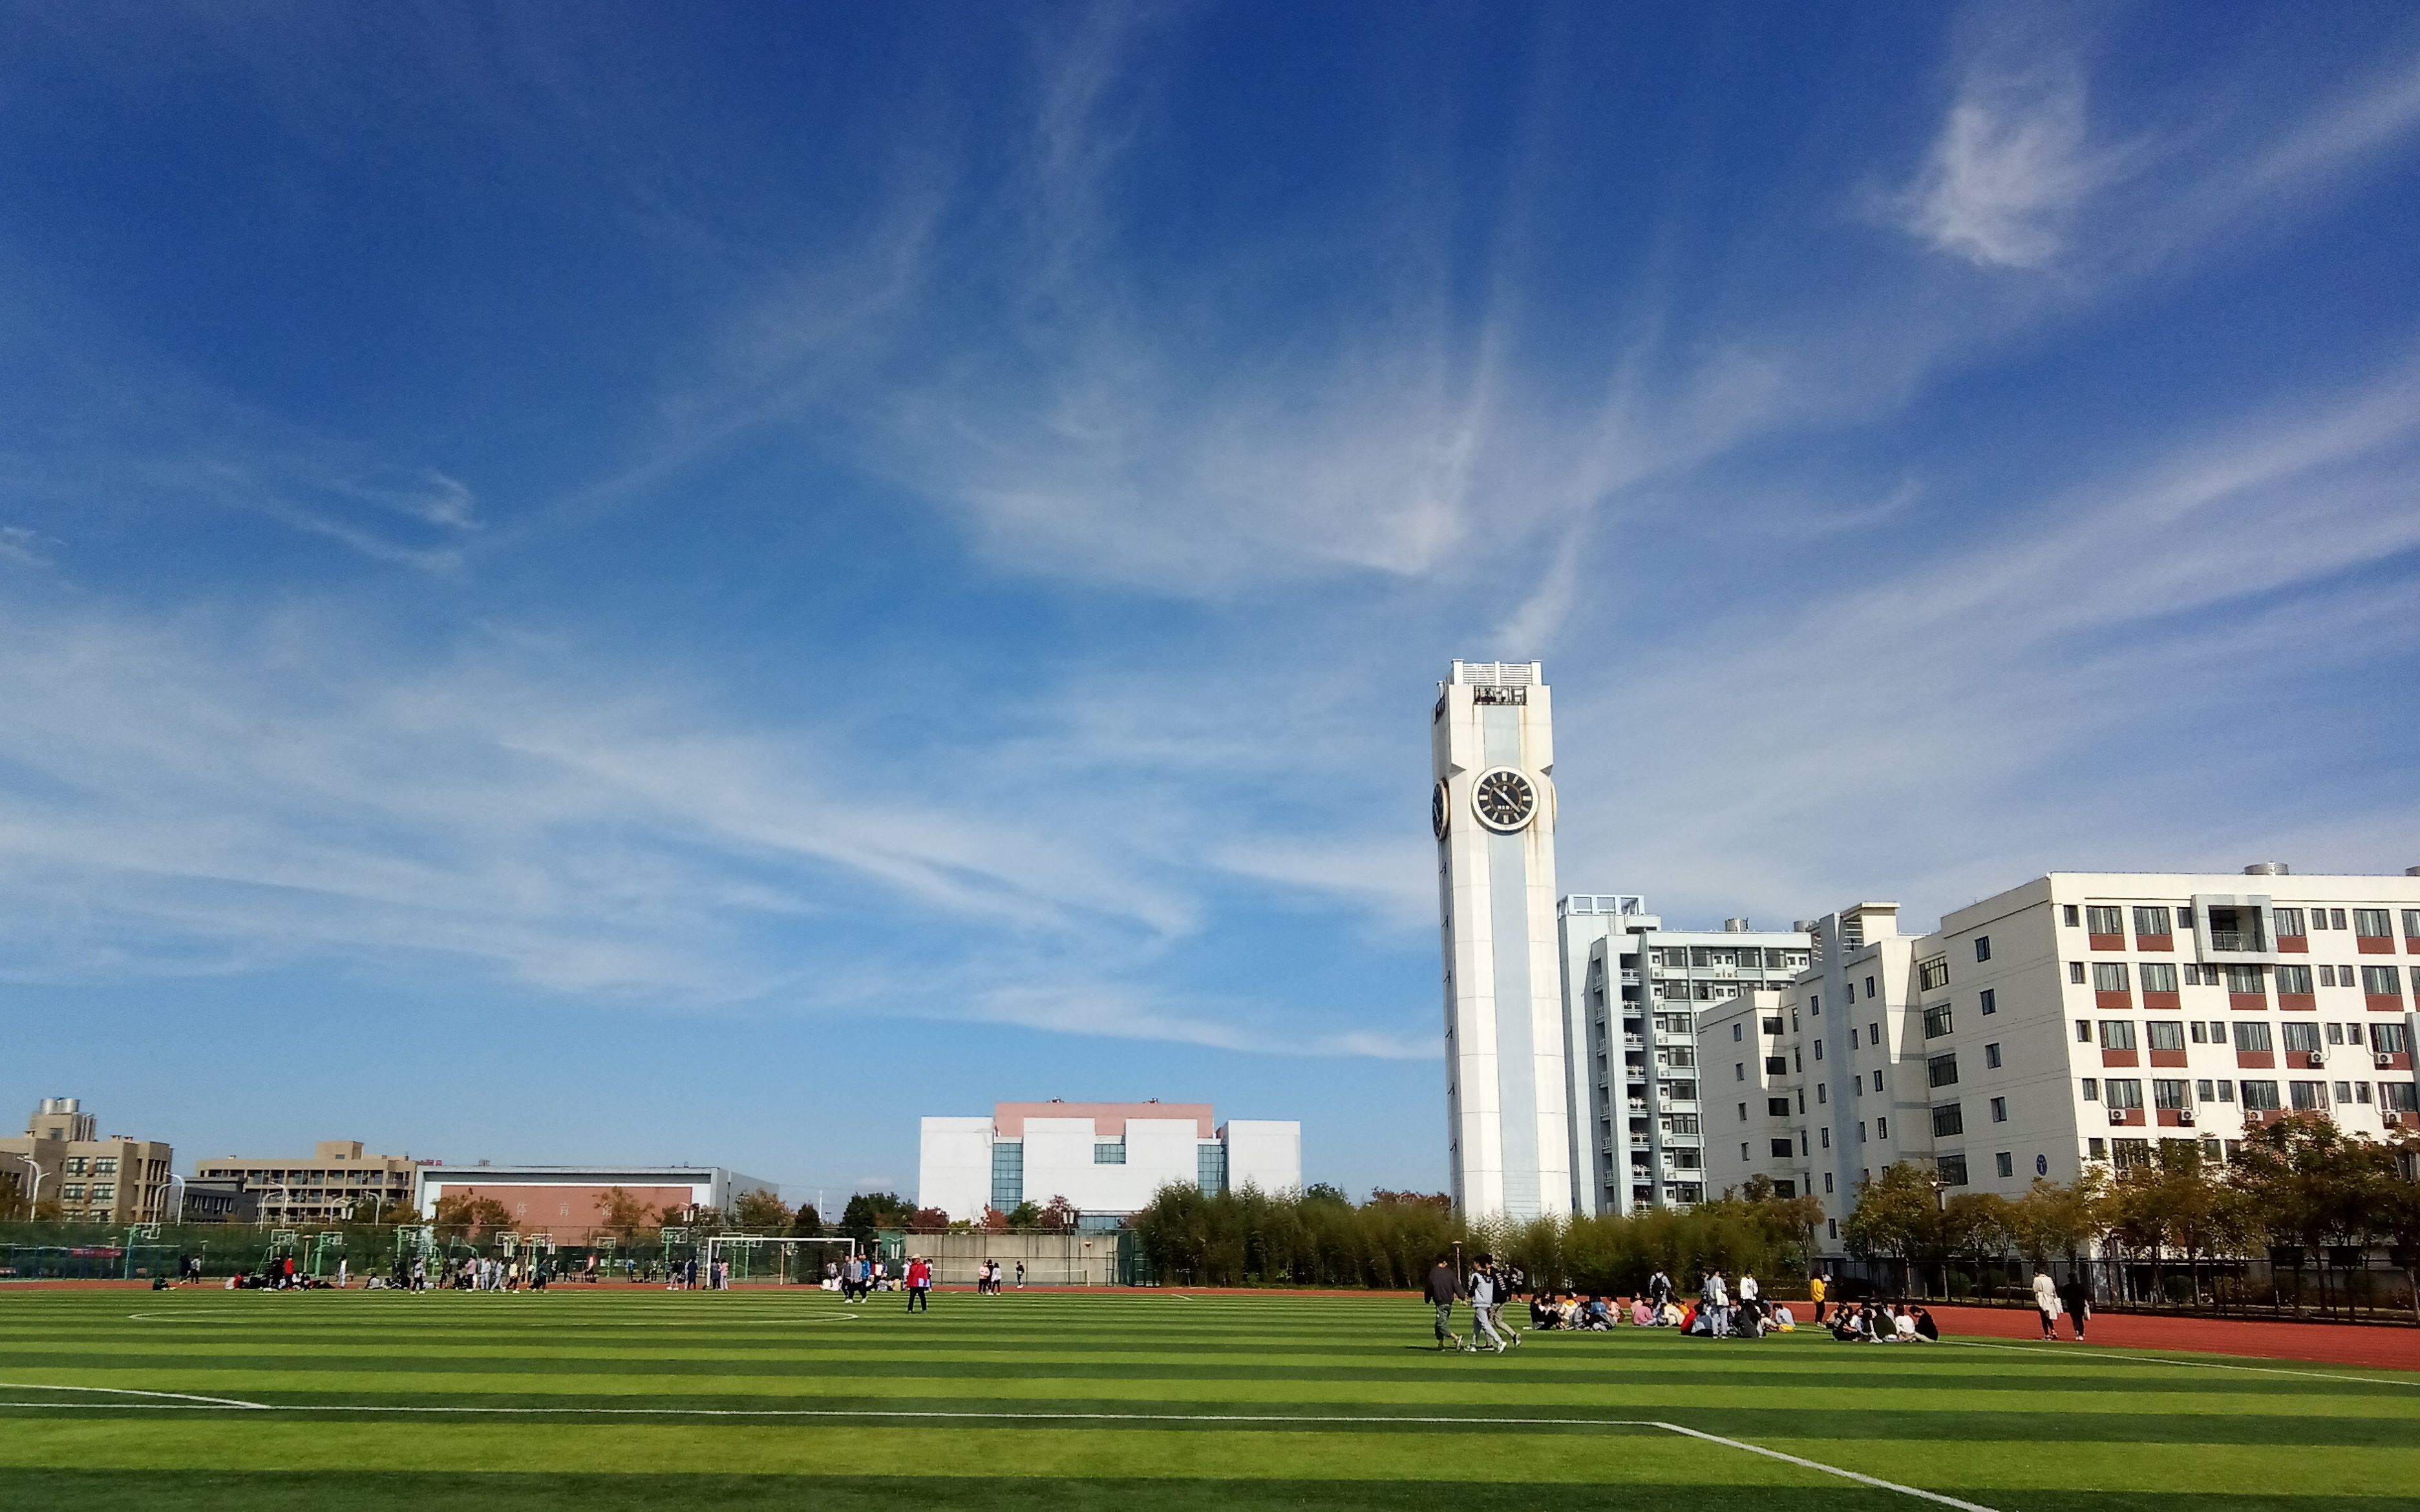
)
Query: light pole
[{"x": 34, "y": 1193}]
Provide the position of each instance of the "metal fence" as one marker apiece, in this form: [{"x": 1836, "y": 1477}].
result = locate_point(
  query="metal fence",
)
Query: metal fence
[{"x": 2322, "y": 1286}]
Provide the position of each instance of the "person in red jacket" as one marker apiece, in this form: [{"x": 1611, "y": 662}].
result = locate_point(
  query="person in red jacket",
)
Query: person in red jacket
[{"x": 919, "y": 1284}]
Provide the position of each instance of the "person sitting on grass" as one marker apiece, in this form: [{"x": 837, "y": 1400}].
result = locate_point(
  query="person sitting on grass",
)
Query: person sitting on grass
[
  {"x": 1600, "y": 1316},
  {"x": 1542, "y": 1312},
  {"x": 1926, "y": 1328}
]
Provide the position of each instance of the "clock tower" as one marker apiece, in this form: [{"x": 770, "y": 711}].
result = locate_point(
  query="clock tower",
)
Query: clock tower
[{"x": 1493, "y": 810}]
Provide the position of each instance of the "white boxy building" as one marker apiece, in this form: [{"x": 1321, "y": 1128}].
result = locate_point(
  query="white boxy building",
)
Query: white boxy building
[
  {"x": 2072, "y": 1021},
  {"x": 1107, "y": 1159}
]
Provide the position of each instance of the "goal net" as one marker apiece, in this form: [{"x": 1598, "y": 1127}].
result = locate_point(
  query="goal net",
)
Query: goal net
[{"x": 785, "y": 1260}]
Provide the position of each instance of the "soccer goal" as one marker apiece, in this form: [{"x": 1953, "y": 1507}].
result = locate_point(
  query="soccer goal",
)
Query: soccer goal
[{"x": 792, "y": 1260}]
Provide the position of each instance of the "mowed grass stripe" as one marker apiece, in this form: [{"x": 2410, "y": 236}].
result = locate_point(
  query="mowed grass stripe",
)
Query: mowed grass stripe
[{"x": 1970, "y": 1423}]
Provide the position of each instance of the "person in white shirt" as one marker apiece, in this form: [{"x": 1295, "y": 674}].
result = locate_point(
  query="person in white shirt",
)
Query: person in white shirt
[{"x": 2046, "y": 1302}]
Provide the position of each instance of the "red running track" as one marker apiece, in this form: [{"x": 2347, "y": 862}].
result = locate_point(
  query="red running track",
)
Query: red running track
[{"x": 2392, "y": 1349}]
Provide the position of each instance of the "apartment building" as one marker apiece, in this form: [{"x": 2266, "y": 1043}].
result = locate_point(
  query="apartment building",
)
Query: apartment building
[
  {"x": 2072, "y": 1021},
  {"x": 62, "y": 1158},
  {"x": 337, "y": 1181},
  {"x": 1635, "y": 993}
]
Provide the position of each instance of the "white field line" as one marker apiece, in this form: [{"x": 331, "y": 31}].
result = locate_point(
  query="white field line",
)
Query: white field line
[
  {"x": 1829, "y": 1470},
  {"x": 2197, "y": 1365},
  {"x": 176, "y": 1398},
  {"x": 862, "y": 1413}
]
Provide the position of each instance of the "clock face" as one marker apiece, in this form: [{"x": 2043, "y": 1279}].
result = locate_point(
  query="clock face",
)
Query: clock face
[
  {"x": 1504, "y": 799},
  {"x": 1440, "y": 809}
]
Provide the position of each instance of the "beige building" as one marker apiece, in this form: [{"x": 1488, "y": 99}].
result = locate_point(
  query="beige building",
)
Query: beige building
[
  {"x": 330, "y": 1186},
  {"x": 2077, "y": 1020},
  {"x": 61, "y": 1160}
]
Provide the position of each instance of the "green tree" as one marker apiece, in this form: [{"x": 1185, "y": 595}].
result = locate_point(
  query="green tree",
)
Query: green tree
[
  {"x": 621, "y": 1214},
  {"x": 761, "y": 1213},
  {"x": 1024, "y": 1218},
  {"x": 868, "y": 1212},
  {"x": 807, "y": 1222},
  {"x": 1898, "y": 1217}
]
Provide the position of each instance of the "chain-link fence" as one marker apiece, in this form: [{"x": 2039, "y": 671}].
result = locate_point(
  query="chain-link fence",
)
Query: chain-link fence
[{"x": 2343, "y": 1286}]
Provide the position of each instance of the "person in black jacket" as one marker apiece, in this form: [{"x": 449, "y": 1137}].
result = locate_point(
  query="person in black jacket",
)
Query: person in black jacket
[
  {"x": 2077, "y": 1295},
  {"x": 1442, "y": 1290}
]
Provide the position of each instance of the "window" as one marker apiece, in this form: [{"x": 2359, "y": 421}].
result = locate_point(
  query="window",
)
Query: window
[
  {"x": 2335, "y": 1034},
  {"x": 2005, "y": 1164},
  {"x": 104, "y": 1191},
  {"x": 1827, "y": 1183},
  {"x": 2067, "y": 915},
  {"x": 2109, "y": 976},
  {"x": 1882, "y": 1128},
  {"x": 1948, "y": 1118},
  {"x": 2259, "y": 1097},
  {"x": 2302, "y": 1039},
  {"x": 2201, "y": 1089},
  {"x": 2158, "y": 976},
  {"x": 1852, "y": 991},
  {"x": 1773, "y": 1024},
  {"x": 2122, "y": 1092},
  {"x": 2200, "y": 1032},
  {"x": 2226, "y": 1091},
  {"x": 2292, "y": 980},
  {"x": 2335, "y": 918},
  {"x": 2411, "y": 923},
  {"x": 72, "y": 1192},
  {"x": 1878, "y": 1081},
  {"x": 1108, "y": 1151},
  {"x": 1942, "y": 1070},
  {"x": 1776, "y": 1065},
  {"x": 2166, "y": 1034},
  {"x": 2308, "y": 1097},
  {"x": 2344, "y": 1092},
  {"x": 2252, "y": 1038},
  {"x": 1991, "y": 1055},
  {"x": 1952, "y": 1169},
  {"x": 2387, "y": 1039},
  {"x": 1873, "y": 1034},
  {"x": 1930, "y": 975},
  {"x": 2083, "y": 1032},
  {"x": 2380, "y": 982},
  {"x": 2369, "y": 923},
  {"x": 1735, "y": 1034},
  {"x": 2116, "y": 1034},
  {"x": 2152, "y": 920},
  {"x": 2244, "y": 979},
  {"x": 104, "y": 1165},
  {"x": 1782, "y": 1150},
  {"x": 76, "y": 1165},
  {"x": 1831, "y": 1226},
  {"x": 1776, "y": 1108},
  {"x": 1936, "y": 1020},
  {"x": 2096, "y": 1148},
  {"x": 1823, "y": 1094},
  {"x": 2128, "y": 1154},
  {"x": 1739, "y": 1068},
  {"x": 2289, "y": 922},
  {"x": 2171, "y": 1095},
  {"x": 1999, "y": 1110},
  {"x": 1869, "y": 987},
  {"x": 1982, "y": 947},
  {"x": 1814, "y": 1006},
  {"x": 2091, "y": 1090},
  {"x": 2075, "y": 972},
  {"x": 2399, "y": 1097},
  {"x": 1991, "y": 1002},
  {"x": 1818, "y": 1049},
  {"x": 2103, "y": 921}
]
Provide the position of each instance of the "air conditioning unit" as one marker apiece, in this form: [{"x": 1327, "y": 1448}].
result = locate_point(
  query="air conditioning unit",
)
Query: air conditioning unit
[
  {"x": 2116, "y": 1115},
  {"x": 2385, "y": 1061},
  {"x": 2318, "y": 1061},
  {"x": 2185, "y": 1116}
]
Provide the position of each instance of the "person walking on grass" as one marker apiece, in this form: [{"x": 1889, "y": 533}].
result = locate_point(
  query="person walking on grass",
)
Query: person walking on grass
[
  {"x": 1441, "y": 1291},
  {"x": 1480, "y": 1289},
  {"x": 2046, "y": 1302},
  {"x": 1021, "y": 1275},
  {"x": 919, "y": 1284},
  {"x": 2077, "y": 1295},
  {"x": 1818, "y": 1287}
]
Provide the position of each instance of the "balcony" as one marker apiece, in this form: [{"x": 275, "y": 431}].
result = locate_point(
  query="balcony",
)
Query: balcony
[{"x": 2240, "y": 941}]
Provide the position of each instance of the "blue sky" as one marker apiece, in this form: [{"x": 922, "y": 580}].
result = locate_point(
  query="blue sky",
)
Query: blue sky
[{"x": 596, "y": 583}]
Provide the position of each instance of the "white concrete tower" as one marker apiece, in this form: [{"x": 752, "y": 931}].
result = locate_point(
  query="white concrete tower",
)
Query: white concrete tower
[{"x": 1493, "y": 810}]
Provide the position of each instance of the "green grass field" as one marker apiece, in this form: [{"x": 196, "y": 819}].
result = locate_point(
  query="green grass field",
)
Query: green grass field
[{"x": 646, "y": 1399}]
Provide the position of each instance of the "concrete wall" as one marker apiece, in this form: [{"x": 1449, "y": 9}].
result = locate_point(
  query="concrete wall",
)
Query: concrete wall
[{"x": 1050, "y": 1260}]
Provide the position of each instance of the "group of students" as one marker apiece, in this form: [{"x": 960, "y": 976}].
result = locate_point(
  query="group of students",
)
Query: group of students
[
  {"x": 988, "y": 1276},
  {"x": 1719, "y": 1311},
  {"x": 1884, "y": 1322}
]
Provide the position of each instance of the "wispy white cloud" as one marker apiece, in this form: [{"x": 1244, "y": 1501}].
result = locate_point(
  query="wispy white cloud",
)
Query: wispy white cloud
[
  {"x": 2012, "y": 165},
  {"x": 20, "y": 547}
]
